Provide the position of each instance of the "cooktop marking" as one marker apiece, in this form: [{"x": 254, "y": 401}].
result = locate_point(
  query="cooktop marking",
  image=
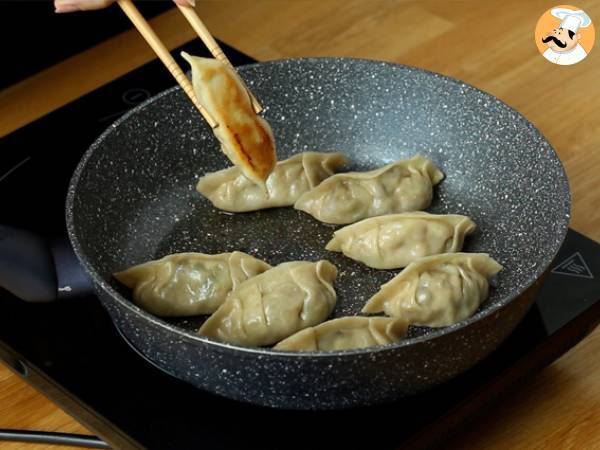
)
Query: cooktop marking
[
  {"x": 11, "y": 170},
  {"x": 574, "y": 266},
  {"x": 132, "y": 97}
]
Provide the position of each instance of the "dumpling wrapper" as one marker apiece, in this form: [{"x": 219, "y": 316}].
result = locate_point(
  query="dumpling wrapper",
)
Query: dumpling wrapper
[
  {"x": 438, "y": 290},
  {"x": 245, "y": 137},
  {"x": 275, "y": 304},
  {"x": 346, "y": 333},
  {"x": 188, "y": 284},
  {"x": 349, "y": 197},
  {"x": 230, "y": 190},
  {"x": 394, "y": 241}
]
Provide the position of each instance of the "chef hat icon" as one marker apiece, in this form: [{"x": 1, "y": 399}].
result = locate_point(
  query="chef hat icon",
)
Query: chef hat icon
[{"x": 570, "y": 19}]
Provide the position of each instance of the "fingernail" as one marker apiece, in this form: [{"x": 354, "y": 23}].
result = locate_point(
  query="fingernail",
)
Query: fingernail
[
  {"x": 192, "y": 2},
  {"x": 65, "y": 8}
]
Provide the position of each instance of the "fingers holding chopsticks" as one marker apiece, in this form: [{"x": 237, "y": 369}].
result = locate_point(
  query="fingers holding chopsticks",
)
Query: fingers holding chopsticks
[{"x": 66, "y": 6}]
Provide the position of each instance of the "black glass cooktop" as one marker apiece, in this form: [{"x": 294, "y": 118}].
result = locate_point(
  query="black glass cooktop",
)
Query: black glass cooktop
[
  {"x": 71, "y": 351},
  {"x": 54, "y": 37}
]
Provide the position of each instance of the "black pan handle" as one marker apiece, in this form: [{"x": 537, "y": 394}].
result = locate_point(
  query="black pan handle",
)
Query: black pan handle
[{"x": 36, "y": 270}]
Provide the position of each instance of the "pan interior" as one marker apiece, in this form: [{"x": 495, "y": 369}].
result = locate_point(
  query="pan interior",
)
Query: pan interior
[{"x": 133, "y": 197}]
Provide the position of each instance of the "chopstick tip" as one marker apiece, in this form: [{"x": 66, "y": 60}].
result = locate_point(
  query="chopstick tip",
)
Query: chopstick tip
[
  {"x": 186, "y": 2},
  {"x": 61, "y": 8},
  {"x": 186, "y": 56}
]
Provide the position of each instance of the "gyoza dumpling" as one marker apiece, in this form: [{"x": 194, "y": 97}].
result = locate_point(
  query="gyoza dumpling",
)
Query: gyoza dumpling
[
  {"x": 275, "y": 304},
  {"x": 396, "y": 240},
  {"x": 438, "y": 290},
  {"x": 349, "y": 197},
  {"x": 230, "y": 190},
  {"x": 245, "y": 137},
  {"x": 346, "y": 333},
  {"x": 188, "y": 284}
]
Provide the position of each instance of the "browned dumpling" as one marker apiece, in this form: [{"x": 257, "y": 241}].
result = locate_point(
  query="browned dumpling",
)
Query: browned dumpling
[
  {"x": 346, "y": 333},
  {"x": 349, "y": 197},
  {"x": 275, "y": 304},
  {"x": 438, "y": 290},
  {"x": 245, "y": 137},
  {"x": 395, "y": 240},
  {"x": 188, "y": 284},
  {"x": 230, "y": 190}
]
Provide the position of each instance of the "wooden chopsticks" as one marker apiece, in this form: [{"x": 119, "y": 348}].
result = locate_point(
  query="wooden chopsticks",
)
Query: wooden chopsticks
[
  {"x": 163, "y": 53},
  {"x": 190, "y": 14}
]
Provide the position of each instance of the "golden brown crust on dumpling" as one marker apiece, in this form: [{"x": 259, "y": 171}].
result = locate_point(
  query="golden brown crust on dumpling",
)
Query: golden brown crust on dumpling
[{"x": 245, "y": 137}]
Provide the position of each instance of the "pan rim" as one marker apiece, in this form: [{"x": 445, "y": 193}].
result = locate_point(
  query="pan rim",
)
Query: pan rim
[{"x": 436, "y": 333}]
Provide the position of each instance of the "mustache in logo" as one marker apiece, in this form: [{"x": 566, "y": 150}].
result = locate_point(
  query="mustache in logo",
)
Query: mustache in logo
[{"x": 556, "y": 41}]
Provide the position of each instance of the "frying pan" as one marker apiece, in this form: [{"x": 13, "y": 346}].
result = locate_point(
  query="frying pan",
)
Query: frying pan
[{"x": 132, "y": 199}]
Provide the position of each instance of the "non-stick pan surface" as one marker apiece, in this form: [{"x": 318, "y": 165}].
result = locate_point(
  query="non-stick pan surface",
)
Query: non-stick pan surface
[{"x": 133, "y": 196}]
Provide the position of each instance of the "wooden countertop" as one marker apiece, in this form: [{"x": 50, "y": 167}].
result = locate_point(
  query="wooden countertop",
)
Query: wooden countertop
[{"x": 487, "y": 44}]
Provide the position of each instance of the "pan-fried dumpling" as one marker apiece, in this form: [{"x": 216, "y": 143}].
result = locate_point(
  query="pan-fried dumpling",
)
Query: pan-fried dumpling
[
  {"x": 246, "y": 138},
  {"x": 188, "y": 284},
  {"x": 230, "y": 190},
  {"x": 396, "y": 240},
  {"x": 438, "y": 290},
  {"x": 346, "y": 333},
  {"x": 349, "y": 197},
  {"x": 275, "y": 304}
]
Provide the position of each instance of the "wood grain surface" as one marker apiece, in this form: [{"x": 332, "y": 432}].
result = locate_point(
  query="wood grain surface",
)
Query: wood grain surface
[{"x": 488, "y": 44}]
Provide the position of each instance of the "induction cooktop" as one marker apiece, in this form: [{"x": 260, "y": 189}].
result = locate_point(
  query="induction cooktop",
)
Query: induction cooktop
[{"x": 71, "y": 351}]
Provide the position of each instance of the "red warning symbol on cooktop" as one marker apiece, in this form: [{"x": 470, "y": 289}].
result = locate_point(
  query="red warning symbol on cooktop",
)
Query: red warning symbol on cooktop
[{"x": 574, "y": 266}]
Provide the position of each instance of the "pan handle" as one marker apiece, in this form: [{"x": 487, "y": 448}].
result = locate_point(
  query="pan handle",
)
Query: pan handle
[{"x": 36, "y": 270}]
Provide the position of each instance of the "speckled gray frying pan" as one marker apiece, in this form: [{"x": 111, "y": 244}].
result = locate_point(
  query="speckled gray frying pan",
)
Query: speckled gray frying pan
[{"x": 133, "y": 199}]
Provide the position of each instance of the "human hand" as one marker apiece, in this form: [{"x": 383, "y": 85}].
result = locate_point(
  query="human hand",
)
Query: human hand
[{"x": 65, "y": 6}]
